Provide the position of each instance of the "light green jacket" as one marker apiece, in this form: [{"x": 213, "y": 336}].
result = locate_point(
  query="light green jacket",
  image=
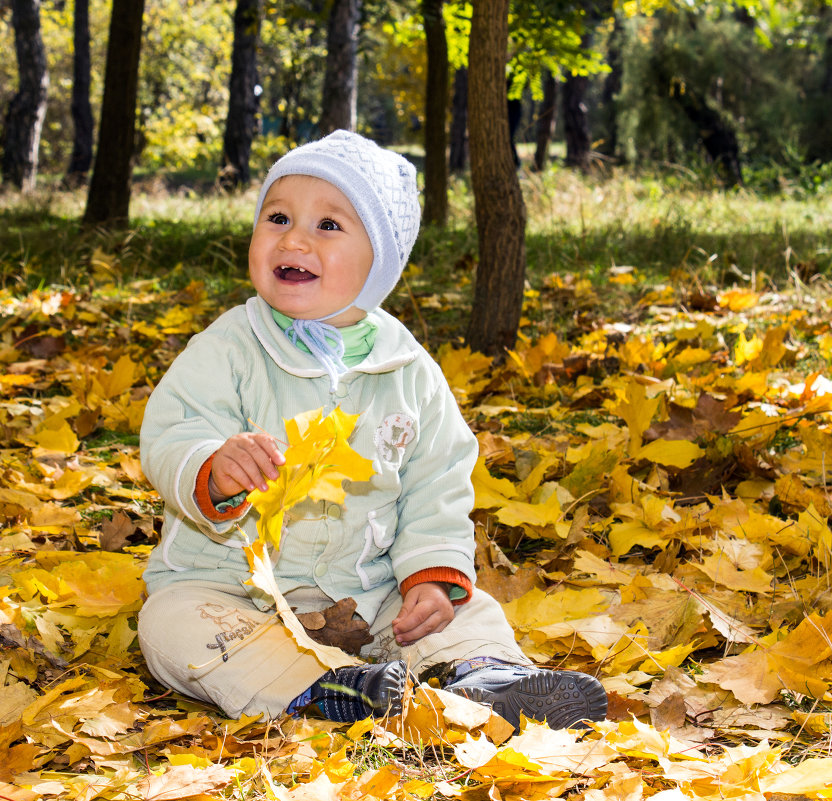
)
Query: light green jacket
[{"x": 413, "y": 513}]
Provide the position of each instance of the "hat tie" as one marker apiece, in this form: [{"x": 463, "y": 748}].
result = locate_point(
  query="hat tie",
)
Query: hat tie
[{"x": 325, "y": 343}]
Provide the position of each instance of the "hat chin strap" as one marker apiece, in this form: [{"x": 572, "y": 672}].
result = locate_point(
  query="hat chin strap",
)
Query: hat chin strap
[
  {"x": 325, "y": 343},
  {"x": 324, "y": 340}
]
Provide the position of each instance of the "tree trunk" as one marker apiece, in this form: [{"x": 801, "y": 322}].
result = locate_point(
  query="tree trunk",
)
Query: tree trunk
[
  {"x": 458, "y": 159},
  {"x": 242, "y": 100},
  {"x": 81, "y": 158},
  {"x": 819, "y": 126},
  {"x": 822, "y": 149},
  {"x": 717, "y": 136},
  {"x": 610, "y": 91},
  {"x": 339, "y": 97},
  {"x": 576, "y": 122},
  {"x": 715, "y": 133},
  {"x": 498, "y": 201},
  {"x": 436, "y": 110},
  {"x": 515, "y": 115},
  {"x": 24, "y": 118},
  {"x": 108, "y": 201},
  {"x": 546, "y": 117}
]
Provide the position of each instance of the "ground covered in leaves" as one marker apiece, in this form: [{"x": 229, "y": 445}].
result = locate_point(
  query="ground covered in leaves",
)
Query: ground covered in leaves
[{"x": 652, "y": 508}]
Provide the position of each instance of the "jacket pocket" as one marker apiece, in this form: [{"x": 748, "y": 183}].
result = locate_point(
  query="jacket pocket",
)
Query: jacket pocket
[{"x": 374, "y": 566}]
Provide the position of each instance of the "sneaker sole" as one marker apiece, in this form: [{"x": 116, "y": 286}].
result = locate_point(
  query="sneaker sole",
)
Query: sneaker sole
[
  {"x": 560, "y": 698},
  {"x": 391, "y": 692}
]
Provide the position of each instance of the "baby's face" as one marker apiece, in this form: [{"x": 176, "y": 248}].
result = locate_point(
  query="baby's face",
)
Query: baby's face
[{"x": 310, "y": 254}]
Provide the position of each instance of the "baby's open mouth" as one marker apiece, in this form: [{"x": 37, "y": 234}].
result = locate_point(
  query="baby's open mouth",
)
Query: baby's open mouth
[{"x": 294, "y": 274}]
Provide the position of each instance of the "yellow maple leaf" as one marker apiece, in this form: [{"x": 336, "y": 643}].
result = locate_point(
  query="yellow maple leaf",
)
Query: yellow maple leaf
[
  {"x": 825, "y": 346},
  {"x": 746, "y": 350},
  {"x": 635, "y": 408},
  {"x": 720, "y": 570},
  {"x": 120, "y": 379},
  {"x": 547, "y": 350},
  {"x": 490, "y": 492},
  {"x": 794, "y": 493},
  {"x": 672, "y": 453},
  {"x": 537, "y": 608},
  {"x": 813, "y": 775},
  {"x": 738, "y": 299},
  {"x": 56, "y": 435},
  {"x": 467, "y": 373},
  {"x": 318, "y": 460}
]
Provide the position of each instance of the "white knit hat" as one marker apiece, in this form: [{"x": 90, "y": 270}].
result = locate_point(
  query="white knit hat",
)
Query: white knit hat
[{"x": 380, "y": 184}]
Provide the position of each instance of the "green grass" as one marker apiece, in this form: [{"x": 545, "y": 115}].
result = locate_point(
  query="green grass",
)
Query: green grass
[{"x": 668, "y": 227}]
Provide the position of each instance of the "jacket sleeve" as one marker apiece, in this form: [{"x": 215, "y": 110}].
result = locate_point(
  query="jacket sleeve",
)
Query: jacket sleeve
[
  {"x": 434, "y": 527},
  {"x": 194, "y": 409}
]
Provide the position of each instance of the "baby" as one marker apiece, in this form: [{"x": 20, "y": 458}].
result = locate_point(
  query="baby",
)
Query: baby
[{"x": 333, "y": 228}]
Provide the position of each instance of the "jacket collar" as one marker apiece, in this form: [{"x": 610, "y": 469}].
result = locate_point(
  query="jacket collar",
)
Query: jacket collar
[{"x": 394, "y": 346}]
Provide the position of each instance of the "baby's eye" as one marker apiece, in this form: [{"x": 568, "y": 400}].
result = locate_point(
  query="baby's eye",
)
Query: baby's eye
[
  {"x": 278, "y": 217},
  {"x": 329, "y": 225}
]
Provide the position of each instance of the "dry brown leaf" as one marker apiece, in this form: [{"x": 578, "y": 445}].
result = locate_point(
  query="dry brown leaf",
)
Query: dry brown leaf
[
  {"x": 115, "y": 533},
  {"x": 670, "y": 713},
  {"x": 338, "y": 625}
]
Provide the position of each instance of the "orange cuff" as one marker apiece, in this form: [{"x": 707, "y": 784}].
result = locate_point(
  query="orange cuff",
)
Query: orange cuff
[
  {"x": 203, "y": 496},
  {"x": 447, "y": 575}
]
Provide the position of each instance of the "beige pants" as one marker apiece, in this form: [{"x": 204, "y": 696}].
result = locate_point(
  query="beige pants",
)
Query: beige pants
[{"x": 207, "y": 641}]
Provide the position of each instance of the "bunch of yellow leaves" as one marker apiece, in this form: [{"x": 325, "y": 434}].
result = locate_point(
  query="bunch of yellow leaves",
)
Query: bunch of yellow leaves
[{"x": 318, "y": 459}]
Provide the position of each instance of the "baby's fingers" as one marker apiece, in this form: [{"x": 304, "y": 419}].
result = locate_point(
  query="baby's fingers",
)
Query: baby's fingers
[
  {"x": 237, "y": 471},
  {"x": 414, "y": 629},
  {"x": 267, "y": 455}
]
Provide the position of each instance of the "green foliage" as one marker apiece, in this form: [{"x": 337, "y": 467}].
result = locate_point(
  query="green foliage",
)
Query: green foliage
[
  {"x": 392, "y": 84},
  {"x": 669, "y": 228},
  {"x": 760, "y": 69},
  {"x": 183, "y": 90},
  {"x": 291, "y": 64},
  {"x": 548, "y": 36}
]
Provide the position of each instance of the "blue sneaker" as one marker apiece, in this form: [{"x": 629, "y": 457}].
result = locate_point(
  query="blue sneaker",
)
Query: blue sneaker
[{"x": 357, "y": 692}]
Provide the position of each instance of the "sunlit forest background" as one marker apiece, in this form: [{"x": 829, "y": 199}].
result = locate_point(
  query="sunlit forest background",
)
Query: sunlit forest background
[{"x": 763, "y": 69}]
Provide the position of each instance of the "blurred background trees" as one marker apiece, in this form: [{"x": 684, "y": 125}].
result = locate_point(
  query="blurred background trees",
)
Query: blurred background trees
[
  {"x": 646, "y": 88},
  {"x": 734, "y": 91}
]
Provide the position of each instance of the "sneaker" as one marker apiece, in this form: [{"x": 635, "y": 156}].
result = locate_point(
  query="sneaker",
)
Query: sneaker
[
  {"x": 560, "y": 698},
  {"x": 357, "y": 692}
]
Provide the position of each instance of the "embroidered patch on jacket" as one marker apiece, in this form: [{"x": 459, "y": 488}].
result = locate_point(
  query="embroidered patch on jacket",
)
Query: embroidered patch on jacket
[{"x": 394, "y": 434}]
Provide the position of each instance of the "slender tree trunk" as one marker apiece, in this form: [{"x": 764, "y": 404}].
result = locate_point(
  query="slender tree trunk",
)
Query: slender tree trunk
[
  {"x": 610, "y": 91},
  {"x": 81, "y": 158},
  {"x": 242, "y": 100},
  {"x": 458, "y": 159},
  {"x": 436, "y": 111},
  {"x": 823, "y": 148},
  {"x": 24, "y": 117},
  {"x": 717, "y": 135},
  {"x": 500, "y": 211},
  {"x": 546, "y": 118},
  {"x": 515, "y": 115},
  {"x": 576, "y": 122},
  {"x": 819, "y": 124},
  {"x": 339, "y": 98},
  {"x": 108, "y": 201}
]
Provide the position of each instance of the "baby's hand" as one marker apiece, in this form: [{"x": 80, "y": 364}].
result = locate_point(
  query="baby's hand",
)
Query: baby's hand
[
  {"x": 242, "y": 463},
  {"x": 426, "y": 609}
]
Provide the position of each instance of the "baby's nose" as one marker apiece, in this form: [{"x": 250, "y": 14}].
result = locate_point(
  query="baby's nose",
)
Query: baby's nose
[{"x": 295, "y": 239}]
